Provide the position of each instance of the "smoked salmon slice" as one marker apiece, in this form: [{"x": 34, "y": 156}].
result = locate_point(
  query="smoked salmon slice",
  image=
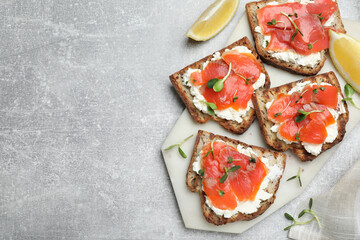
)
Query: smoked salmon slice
[{"x": 240, "y": 185}]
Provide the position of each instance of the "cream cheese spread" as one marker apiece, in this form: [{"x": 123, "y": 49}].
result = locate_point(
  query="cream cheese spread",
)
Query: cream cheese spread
[
  {"x": 198, "y": 98},
  {"x": 246, "y": 207}
]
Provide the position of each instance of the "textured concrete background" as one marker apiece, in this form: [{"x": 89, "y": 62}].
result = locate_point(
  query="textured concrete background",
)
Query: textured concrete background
[{"x": 85, "y": 104}]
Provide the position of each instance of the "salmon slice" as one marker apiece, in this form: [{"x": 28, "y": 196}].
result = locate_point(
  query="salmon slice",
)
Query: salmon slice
[
  {"x": 313, "y": 132},
  {"x": 242, "y": 184},
  {"x": 244, "y": 64},
  {"x": 326, "y": 117}
]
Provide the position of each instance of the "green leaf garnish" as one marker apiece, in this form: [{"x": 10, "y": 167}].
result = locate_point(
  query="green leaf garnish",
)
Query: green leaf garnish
[
  {"x": 310, "y": 46},
  {"x": 235, "y": 98},
  {"x": 210, "y": 107},
  {"x": 211, "y": 82},
  {"x": 182, "y": 152},
  {"x": 294, "y": 24},
  {"x": 277, "y": 114},
  {"x": 227, "y": 170},
  {"x": 219, "y": 85},
  {"x": 178, "y": 145},
  {"x": 274, "y": 22},
  {"x": 267, "y": 43},
  {"x": 319, "y": 16},
  {"x": 304, "y": 114},
  {"x": 224, "y": 177},
  {"x": 302, "y": 213},
  {"x": 349, "y": 92},
  {"x": 315, "y": 90},
  {"x": 288, "y": 216},
  {"x": 252, "y": 160},
  {"x": 296, "y": 176},
  {"x": 221, "y": 192},
  {"x": 322, "y": 89},
  {"x": 201, "y": 172},
  {"x": 230, "y": 160},
  {"x": 297, "y": 137}
]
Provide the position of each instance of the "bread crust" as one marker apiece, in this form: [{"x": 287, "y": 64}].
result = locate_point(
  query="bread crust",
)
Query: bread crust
[
  {"x": 194, "y": 181},
  {"x": 251, "y": 10},
  {"x": 262, "y": 97},
  {"x": 200, "y": 117}
]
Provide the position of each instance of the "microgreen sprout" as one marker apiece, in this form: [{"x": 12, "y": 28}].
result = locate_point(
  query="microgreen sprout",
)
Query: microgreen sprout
[
  {"x": 227, "y": 170},
  {"x": 274, "y": 22},
  {"x": 349, "y": 92},
  {"x": 212, "y": 149},
  {"x": 252, "y": 160},
  {"x": 210, "y": 107},
  {"x": 267, "y": 43},
  {"x": 296, "y": 176},
  {"x": 201, "y": 172},
  {"x": 295, "y": 222},
  {"x": 235, "y": 97},
  {"x": 246, "y": 79},
  {"x": 294, "y": 24},
  {"x": 310, "y": 46},
  {"x": 304, "y": 114},
  {"x": 221, "y": 192},
  {"x": 301, "y": 96},
  {"x": 320, "y": 17},
  {"x": 179, "y": 148},
  {"x": 280, "y": 113},
  {"x": 217, "y": 84}
]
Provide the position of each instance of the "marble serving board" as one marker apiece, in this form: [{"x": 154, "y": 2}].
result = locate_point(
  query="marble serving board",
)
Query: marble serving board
[{"x": 189, "y": 202}]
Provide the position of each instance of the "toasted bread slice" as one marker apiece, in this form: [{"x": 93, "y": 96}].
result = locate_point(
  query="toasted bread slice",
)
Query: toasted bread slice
[
  {"x": 194, "y": 181},
  {"x": 266, "y": 56},
  {"x": 184, "y": 92},
  {"x": 262, "y": 97}
]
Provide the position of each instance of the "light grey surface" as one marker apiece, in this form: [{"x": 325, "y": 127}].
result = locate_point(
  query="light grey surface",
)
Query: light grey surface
[{"x": 85, "y": 104}]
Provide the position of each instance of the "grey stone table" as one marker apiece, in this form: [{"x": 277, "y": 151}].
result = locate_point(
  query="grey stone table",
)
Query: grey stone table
[{"x": 85, "y": 104}]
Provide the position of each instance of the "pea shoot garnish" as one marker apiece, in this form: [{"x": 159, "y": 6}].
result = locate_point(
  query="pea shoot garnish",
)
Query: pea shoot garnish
[
  {"x": 252, "y": 160},
  {"x": 235, "y": 97},
  {"x": 212, "y": 149},
  {"x": 230, "y": 160},
  {"x": 297, "y": 137},
  {"x": 179, "y": 148},
  {"x": 274, "y": 22},
  {"x": 304, "y": 114},
  {"x": 217, "y": 84},
  {"x": 296, "y": 176},
  {"x": 310, "y": 46},
  {"x": 267, "y": 43},
  {"x": 280, "y": 113},
  {"x": 294, "y": 24},
  {"x": 210, "y": 107},
  {"x": 201, "y": 172},
  {"x": 320, "y": 17},
  {"x": 245, "y": 79},
  {"x": 349, "y": 92},
  {"x": 302, "y": 213},
  {"x": 221, "y": 192},
  {"x": 301, "y": 96},
  {"x": 226, "y": 174}
]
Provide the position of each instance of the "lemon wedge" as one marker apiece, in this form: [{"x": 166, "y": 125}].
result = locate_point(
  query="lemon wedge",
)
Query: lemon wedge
[
  {"x": 213, "y": 20},
  {"x": 345, "y": 54}
]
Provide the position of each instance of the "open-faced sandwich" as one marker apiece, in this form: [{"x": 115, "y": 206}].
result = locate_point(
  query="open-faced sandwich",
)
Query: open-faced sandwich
[
  {"x": 220, "y": 86},
  {"x": 236, "y": 181},
  {"x": 293, "y": 34},
  {"x": 307, "y": 116}
]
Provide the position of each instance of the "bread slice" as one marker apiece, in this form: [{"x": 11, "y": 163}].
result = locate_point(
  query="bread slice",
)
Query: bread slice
[
  {"x": 194, "y": 181},
  {"x": 266, "y": 56},
  {"x": 200, "y": 117},
  {"x": 262, "y": 97}
]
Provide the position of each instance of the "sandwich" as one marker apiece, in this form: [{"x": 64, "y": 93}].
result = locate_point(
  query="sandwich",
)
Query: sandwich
[
  {"x": 307, "y": 116},
  {"x": 235, "y": 181},
  {"x": 293, "y": 35},
  {"x": 220, "y": 86}
]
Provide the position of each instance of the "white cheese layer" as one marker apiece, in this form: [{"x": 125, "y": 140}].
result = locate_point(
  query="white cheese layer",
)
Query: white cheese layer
[
  {"x": 247, "y": 207},
  {"x": 332, "y": 130},
  {"x": 198, "y": 98}
]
